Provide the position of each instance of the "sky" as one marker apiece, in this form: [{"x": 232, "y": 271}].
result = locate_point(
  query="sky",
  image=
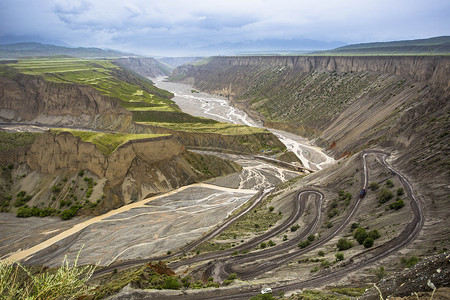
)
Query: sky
[{"x": 215, "y": 27}]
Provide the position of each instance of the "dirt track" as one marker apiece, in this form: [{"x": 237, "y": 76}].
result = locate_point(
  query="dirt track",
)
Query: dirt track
[{"x": 273, "y": 258}]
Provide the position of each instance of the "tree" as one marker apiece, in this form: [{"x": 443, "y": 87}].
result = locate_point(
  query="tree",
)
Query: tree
[
  {"x": 344, "y": 244},
  {"x": 368, "y": 242},
  {"x": 360, "y": 235}
]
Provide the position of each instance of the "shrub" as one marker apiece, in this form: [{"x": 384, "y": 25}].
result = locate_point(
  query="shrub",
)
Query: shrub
[
  {"x": 311, "y": 238},
  {"x": 400, "y": 191},
  {"x": 329, "y": 224},
  {"x": 295, "y": 227},
  {"x": 368, "y": 242},
  {"x": 339, "y": 256},
  {"x": 271, "y": 208},
  {"x": 374, "y": 186},
  {"x": 271, "y": 243},
  {"x": 360, "y": 235},
  {"x": 333, "y": 212},
  {"x": 321, "y": 253},
  {"x": 285, "y": 238},
  {"x": 304, "y": 244},
  {"x": 56, "y": 189},
  {"x": 263, "y": 245},
  {"x": 172, "y": 283},
  {"x": 384, "y": 195},
  {"x": 354, "y": 226},
  {"x": 325, "y": 264},
  {"x": 410, "y": 262},
  {"x": 70, "y": 213},
  {"x": 81, "y": 173},
  {"x": 344, "y": 244},
  {"x": 389, "y": 184},
  {"x": 379, "y": 272},
  {"x": 397, "y": 204},
  {"x": 374, "y": 234}
]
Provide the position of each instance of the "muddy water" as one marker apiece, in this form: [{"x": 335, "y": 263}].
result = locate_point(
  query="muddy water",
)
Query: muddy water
[{"x": 218, "y": 108}]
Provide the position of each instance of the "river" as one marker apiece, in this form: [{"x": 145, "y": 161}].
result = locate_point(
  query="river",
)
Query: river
[{"x": 219, "y": 108}]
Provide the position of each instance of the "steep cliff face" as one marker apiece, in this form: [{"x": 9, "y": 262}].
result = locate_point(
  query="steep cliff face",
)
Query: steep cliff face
[
  {"x": 345, "y": 102},
  {"x": 27, "y": 98},
  {"x": 135, "y": 170}
]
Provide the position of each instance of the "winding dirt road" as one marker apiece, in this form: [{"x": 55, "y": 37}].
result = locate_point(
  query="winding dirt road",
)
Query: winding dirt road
[{"x": 274, "y": 257}]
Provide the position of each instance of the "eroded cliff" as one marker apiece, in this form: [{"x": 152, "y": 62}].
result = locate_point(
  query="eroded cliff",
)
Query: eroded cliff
[{"x": 58, "y": 168}]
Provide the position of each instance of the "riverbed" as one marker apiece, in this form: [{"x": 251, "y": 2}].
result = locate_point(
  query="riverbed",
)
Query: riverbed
[{"x": 202, "y": 104}]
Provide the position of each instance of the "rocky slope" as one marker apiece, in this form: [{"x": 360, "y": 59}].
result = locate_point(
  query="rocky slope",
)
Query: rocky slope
[
  {"x": 54, "y": 167},
  {"x": 347, "y": 103},
  {"x": 145, "y": 66},
  {"x": 27, "y": 98}
]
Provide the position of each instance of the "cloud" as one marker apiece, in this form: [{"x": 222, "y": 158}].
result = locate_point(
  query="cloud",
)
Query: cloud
[{"x": 156, "y": 27}]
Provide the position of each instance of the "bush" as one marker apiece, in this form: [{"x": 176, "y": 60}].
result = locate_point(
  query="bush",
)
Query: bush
[
  {"x": 70, "y": 213},
  {"x": 374, "y": 234},
  {"x": 344, "y": 244},
  {"x": 311, "y": 238},
  {"x": 360, "y": 235},
  {"x": 304, "y": 244},
  {"x": 295, "y": 227},
  {"x": 81, "y": 173},
  {"x": 389, "y": 184},
  {"x": 374, "y": 186},
  {"x": 339, "y": 256},
  {"x": 263, "y": 245},
  {"x": 325, "y": 264},
  {"x": 271, "y": 243},
  {"x": 354, "y": 226},
  {"x": 321, "y": 253},
  {"x": 271, "y": 208},
  {"x": 410, "y": 262},
  {"x": 329, "y": 224},
  {"x": 400, "y": 191},
  {"x": 379, "y": 273},
  {"x": 333, "y": 212},
  {"x": 171, "y": 283},
  {"x": 368, "y": 242},
  {"x": 285, "y": 238},
  {"x": 397, "y": 204},
  {"x": 384, "y": 195}
]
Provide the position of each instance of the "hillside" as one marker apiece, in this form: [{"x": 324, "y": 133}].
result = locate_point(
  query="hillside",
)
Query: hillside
[
  {"x": 432, "y": 46},
  {"x": 347, "y": 104},
  {"x": 147, "y": 67},
  {"x": 20, "y": 50}
]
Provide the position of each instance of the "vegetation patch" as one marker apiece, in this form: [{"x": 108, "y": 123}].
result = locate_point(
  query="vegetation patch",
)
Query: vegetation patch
[
  {"x": 12, "y": 140},
  {"x": 106, "y": 143},
  {"x": 196, "y": 124}
]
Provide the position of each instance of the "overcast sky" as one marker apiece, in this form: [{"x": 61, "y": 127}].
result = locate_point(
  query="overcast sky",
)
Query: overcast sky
[{"x": 204, "y": 27}]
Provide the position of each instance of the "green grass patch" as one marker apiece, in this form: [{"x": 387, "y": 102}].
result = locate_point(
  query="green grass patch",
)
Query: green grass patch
[
  {"x": 12, "y": 140},
  {"x": 102, "y": 75},
  {"x": 107, "y": 143},
  {"x": 204, "y": 125}
]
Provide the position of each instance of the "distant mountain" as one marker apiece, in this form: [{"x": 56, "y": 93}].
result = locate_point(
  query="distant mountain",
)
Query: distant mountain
[
  {"x": 269, "y": 46},
  {"x": 174, "y": 62},
  {"x": 14, "y": 51},
  {"x": 432, "y": 46}
]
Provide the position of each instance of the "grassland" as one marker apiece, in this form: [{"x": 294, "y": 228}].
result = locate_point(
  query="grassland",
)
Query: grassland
[
  {"x": 136, "y": 93},
  {"x": 12, "y": 140},
  {"x": 107, "y": 143},
  {"x": 218, "y": 127}
]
